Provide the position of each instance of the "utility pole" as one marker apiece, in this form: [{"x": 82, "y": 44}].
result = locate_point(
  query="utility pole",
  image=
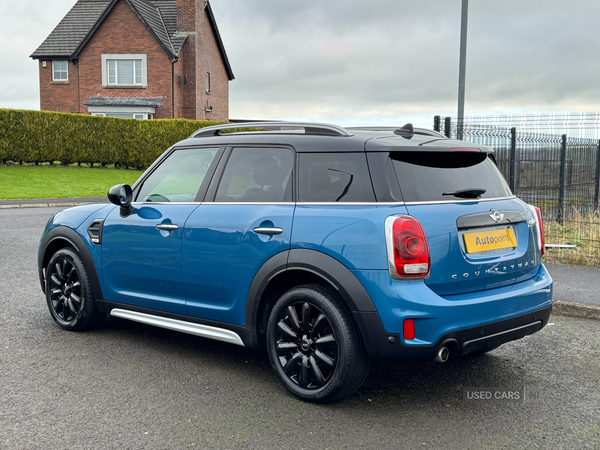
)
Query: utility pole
[{"x": 462, "y": 69}]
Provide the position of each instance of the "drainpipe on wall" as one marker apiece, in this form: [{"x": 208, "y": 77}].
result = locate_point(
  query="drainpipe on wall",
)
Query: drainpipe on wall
[
  {"x": 78, "y": 87},
  {"x": 174, "y": 60}
]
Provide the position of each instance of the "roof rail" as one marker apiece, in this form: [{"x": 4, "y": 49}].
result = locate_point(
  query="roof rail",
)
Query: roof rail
[
  {"x": 309, "y": 128},
  {"x": 420, "y": 131}
]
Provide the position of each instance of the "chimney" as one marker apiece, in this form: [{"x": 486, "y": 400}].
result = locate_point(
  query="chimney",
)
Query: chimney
[{"x": 186, "y": 14}]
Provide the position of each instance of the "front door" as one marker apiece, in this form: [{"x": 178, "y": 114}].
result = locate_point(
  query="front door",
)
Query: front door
[
  {"x": 141, "y": 253},
  {"x": 141, "y": 256}
]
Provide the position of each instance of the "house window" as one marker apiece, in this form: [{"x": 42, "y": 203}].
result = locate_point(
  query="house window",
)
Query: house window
[
  {"x": 139, "y": 116},
  {"x": 60, "y": 71},
  {"x": 207, "y": 82},
  {"x": 124, "y": 70}
]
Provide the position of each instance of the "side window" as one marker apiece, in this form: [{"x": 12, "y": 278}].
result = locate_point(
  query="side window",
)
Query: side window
[
  {"x": 179, "y": 177},
  {"x": 60, "y": 71},
  {"x": 257, "y": 175},
  {"x": 334, "y": 177}
]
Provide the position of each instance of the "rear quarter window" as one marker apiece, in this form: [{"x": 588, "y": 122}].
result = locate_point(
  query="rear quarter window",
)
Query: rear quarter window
[
  {"x": 334, "y": 177},
  {"x": 426, "y": 176}
]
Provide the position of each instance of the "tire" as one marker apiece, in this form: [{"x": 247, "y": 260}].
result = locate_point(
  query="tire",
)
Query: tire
[
  {"x": 314, "y": 346},
  {"x": 69, "y": 293}
]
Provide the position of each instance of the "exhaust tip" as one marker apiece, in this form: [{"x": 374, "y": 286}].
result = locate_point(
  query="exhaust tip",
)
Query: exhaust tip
[{"x": 442, "y": 355}]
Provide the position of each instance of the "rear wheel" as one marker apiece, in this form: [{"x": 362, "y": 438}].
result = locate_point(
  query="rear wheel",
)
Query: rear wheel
[
  {"x": 68, "y": 292},
  {"x": 314, "y": 346}
]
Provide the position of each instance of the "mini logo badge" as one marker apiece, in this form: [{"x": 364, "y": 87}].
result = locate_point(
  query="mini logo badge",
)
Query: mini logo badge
[{"x": 496, "y": 216}]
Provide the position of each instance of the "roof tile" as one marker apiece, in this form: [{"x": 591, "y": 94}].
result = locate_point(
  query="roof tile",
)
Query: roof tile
[{"x": 68, "y": 35}]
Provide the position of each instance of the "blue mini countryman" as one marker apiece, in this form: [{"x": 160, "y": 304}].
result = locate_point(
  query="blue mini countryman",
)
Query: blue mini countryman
[{"x": 330, "y": 247}]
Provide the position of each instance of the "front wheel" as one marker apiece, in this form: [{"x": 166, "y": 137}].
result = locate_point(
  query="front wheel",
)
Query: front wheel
[
  {"x": 314, "y": 346},
  {"x": 68, "y": 292}
]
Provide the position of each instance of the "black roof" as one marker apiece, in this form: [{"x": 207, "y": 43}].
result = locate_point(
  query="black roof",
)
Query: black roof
[
  {"x": 321, "y": 137},
  {"x": 73, "y": 32}
]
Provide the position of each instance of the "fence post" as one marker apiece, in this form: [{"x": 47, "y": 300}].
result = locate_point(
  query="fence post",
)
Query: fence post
[
  {"x": 597, "y": 186},
  {"x": 513, "y": 160},
  {"x": 561, "y": 192},
  {"x": 436, "y": 123},
  {"x": 447, "y": 126}
]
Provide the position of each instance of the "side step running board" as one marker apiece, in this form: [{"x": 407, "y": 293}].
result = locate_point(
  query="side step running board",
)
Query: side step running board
[{"x": 218, "y": 334}]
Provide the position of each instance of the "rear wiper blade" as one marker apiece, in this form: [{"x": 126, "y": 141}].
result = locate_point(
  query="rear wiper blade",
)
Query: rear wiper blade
[{"x": 467, "y": 193}]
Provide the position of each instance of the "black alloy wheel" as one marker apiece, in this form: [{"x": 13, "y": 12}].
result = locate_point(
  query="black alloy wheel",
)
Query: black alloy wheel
[
  {"x": 65, "y": 290},
  {"x": 68, "y": 292},
  {"x": 307, "y": 348},
  {"x": 314, "y": 347}
]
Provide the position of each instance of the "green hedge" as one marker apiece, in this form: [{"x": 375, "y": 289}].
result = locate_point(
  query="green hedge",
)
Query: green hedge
[{"x": 48, "y": 137}]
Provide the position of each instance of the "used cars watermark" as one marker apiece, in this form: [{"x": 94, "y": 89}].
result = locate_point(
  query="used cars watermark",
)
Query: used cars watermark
[{"x": 525, "y": 394}]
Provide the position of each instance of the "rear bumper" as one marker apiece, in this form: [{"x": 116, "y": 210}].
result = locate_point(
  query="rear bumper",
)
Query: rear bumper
[
  {"x": 383, "y": 346},
  {"x": 463, "y": 323}
]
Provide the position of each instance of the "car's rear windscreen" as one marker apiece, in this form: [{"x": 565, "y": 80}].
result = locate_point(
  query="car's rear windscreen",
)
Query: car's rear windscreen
[{"x": 427, "y": 176}]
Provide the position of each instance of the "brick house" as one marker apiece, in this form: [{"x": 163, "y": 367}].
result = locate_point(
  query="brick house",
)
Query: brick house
[{"x": 139, "y": 59}]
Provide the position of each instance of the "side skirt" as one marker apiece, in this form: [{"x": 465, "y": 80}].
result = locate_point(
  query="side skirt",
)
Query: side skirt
[
  {"x": 220, "y": 331},
  {"x": 196, "y": 329}
]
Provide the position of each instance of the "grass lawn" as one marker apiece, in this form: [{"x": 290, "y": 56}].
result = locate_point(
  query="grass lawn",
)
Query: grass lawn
[
  {"x": 23, "y": 182},
  {"x": 581, "y": 230}
]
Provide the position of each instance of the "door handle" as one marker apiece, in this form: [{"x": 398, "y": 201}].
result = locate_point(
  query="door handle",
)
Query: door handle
[
  {"x": 265, "y": 230},
  {"x": 167, "y": 227}
]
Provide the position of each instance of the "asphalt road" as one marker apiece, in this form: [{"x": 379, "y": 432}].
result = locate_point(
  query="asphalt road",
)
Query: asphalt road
[
  {"x": 576, "y": 284},
  {"x": 131, "y": 386}
]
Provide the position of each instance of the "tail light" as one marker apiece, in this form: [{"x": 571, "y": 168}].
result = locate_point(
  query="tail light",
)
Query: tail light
[
  {"x": 537, "y": 214},
  {"x": 540, "y": 229},
  {"x": 408, "y": 252}
]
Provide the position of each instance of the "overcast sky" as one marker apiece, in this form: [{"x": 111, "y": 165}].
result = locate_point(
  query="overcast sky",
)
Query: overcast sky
[{"x": 365, "y": 62}]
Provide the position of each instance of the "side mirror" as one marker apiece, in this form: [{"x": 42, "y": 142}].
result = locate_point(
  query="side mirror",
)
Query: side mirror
[{"x": 121, "y": 195}]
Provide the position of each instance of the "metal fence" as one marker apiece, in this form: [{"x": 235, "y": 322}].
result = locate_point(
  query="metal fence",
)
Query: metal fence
[{"x": 558, "y": 173}]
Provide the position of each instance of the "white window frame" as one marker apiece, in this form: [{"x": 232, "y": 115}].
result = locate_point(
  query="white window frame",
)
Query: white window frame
[
  {"x": 54, "y": 71},
  {"x": 114, "y": 57},
  {"x": 143, "y": 112},
  {"x": 135, "y": 114},
  {"x": 207, "y": 82}
]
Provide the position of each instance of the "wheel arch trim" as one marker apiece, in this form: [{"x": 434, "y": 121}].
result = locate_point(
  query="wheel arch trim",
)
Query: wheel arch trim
[
  {"x": 320, "y": 264},
  {"x": 70, "y": 236}
]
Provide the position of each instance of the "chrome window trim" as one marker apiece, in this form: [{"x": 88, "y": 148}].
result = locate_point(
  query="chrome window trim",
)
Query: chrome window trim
[
  {"x": 249, "y": 203},
  {"x": 165, "y": 203},
  {"x": 350, "y": 204},
  {"x": 333, "y": 203},
  {"x": 433, "y": 202},
  {"x": 473, "y": 200}
]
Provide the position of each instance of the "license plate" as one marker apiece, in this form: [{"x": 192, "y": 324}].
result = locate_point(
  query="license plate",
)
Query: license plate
[{"x": 482, "y": 241}]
